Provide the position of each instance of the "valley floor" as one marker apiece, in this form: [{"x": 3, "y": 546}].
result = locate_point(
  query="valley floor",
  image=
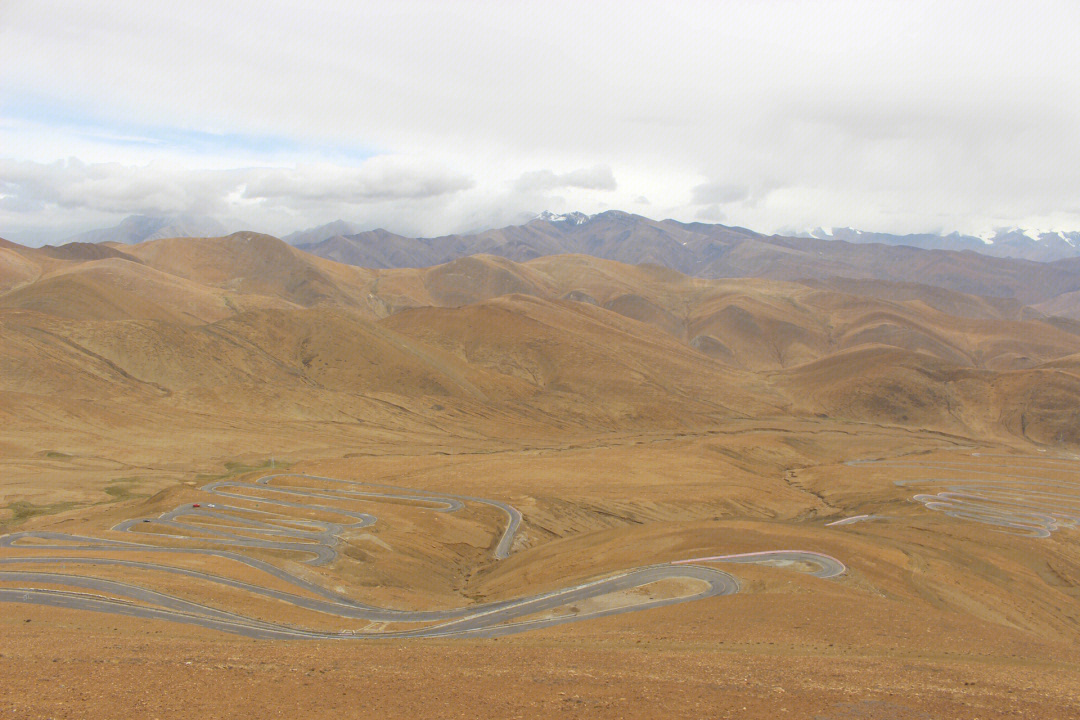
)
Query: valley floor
[{"x": 944, "y": 610}]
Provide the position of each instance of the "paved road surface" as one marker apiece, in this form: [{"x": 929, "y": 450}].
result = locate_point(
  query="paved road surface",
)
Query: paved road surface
[
  {"x": 228, "y": 528},
  {"x": 1032, "y": 500}
]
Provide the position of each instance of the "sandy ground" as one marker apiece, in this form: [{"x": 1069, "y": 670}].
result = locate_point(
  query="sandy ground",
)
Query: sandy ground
[
  {"x": 641, "y": 667},
  {"x": 937, "y": 617}
]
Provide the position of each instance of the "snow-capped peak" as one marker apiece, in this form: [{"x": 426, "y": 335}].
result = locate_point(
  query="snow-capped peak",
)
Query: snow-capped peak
[
  {"x": 574, "y": 218},
  {"x": 833, "y": 233},
  {"x": 1034, "y": 234}
]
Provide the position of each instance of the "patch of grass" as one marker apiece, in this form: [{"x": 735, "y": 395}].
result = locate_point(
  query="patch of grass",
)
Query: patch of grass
[
  {"x": 57, "y": 455},
  {"x": 120, "y": 489},
  {"x": 22, "y": 511},
  {"x": 238, "y": 468}
]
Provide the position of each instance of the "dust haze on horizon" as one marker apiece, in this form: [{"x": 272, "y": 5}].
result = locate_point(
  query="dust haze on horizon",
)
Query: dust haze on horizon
[{"x": 428, "y": 118}]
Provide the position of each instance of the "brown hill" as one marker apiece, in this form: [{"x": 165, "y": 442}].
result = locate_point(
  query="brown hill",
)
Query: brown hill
[
  {"x": 79, "y": 251},
  {"x": 250, "y": 263},
  {"x": 285, "y": 350},
  {"x": 1065, "y": 305},
  {"x": 118, "y": 289},
  {"x": 86, "y": 295},
  {"x": 632, "y": 414},
  {"x": 755, "y": 324},
  {"x": 949, "y": 302},
  {"x": 881, "y": 384},
  {"x": 15, "y": 268},
  {"x": 251, "y": 322},
  {"x": 588, "y": 360}
]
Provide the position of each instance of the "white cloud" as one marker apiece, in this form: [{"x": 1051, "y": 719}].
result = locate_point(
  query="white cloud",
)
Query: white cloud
[
  {"x": 380, "y": 178},
  {"x": 599, "y": 177},
  {"x": 901, "y": 115},
  {"x": 712, "y": 213},
  {"x": 254, "y": 193},
  {"x": 718, "y": 192},
  {"x": 113, "y": 188}
]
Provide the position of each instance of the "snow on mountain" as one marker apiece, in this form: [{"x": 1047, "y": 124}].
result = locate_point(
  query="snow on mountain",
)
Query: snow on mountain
[
  {"x": 574, "y": 218},
  {"x": 1026, "y": 243}
]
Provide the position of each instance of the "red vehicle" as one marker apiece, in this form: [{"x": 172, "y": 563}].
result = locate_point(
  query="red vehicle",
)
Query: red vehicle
[{"x": 194, "y": 504}]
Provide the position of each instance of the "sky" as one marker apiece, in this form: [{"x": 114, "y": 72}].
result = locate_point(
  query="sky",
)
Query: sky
[{"x": 429, "y": 118}]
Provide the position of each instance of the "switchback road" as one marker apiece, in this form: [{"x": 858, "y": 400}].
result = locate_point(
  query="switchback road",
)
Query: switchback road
[{"x": 225, "y": 530}]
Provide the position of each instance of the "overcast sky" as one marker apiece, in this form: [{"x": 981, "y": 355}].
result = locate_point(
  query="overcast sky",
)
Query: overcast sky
[{"x": 429, "y": 118}]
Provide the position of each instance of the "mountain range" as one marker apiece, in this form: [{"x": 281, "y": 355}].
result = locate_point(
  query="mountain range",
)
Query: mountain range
[
  {"x": 696, "y": 249},
  {"x": 717, "y": 251},
  {"x": 701, "y": 249},
  {"x": 1036, "y": 245},
  {"x": 246, "y": 326},
  {"x": 140, "y": 228},
  {"x": 551, "y": 233}
]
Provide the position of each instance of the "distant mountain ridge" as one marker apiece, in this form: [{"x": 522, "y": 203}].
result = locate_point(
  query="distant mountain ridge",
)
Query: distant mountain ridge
[
  {"x": 1025, "y": 244},
  {"x": 322, "y": 232},
  {"x": 613, "y": 235},
  {"x": 554, "y": 233},
  {"x": 716, "y": 251},
  {"x": 697, "y": 249},
  {"x": 140, "y": 228}
]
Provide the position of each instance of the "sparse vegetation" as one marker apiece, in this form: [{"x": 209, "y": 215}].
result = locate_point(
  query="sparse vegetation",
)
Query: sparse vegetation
[
  {"x": 21, "y": 511},
  {"x": 121, "y": 489},
  {"x": 234, "y": 468},
  {"x": 667, "y": 417}
]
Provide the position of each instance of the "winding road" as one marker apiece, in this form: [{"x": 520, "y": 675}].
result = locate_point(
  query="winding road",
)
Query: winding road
[
  {"x": 1033, "y": 500},
  {"x": 229, "y": 529}
]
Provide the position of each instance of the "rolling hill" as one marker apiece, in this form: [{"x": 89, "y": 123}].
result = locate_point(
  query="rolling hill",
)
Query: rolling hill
[
  {"x": 632, "y": 414},
  {"x": 246, "y": 326}
]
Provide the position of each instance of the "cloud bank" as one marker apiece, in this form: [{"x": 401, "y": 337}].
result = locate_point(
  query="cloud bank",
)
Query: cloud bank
[
  {"x": 599, "y": 177},
  {"x": 901, "y": 115}
]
